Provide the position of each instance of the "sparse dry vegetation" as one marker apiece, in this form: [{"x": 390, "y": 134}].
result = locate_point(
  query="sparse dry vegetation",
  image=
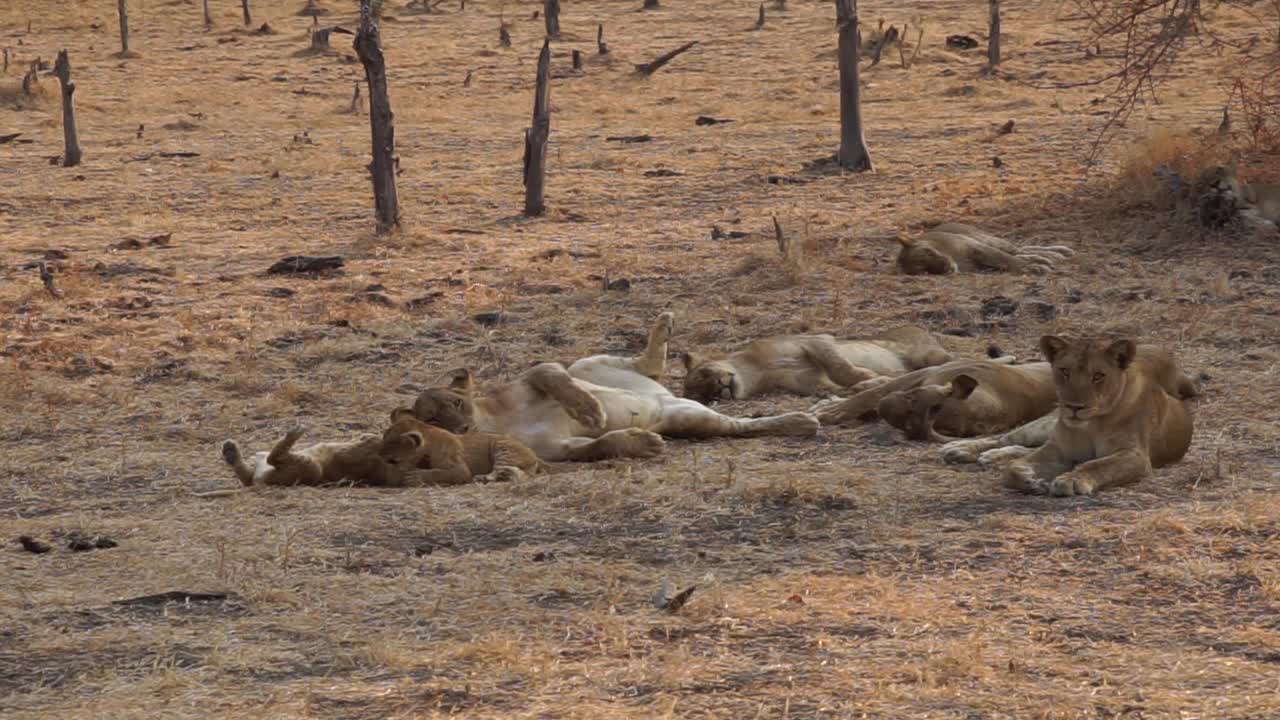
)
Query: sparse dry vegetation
[{"x": 848, "y": 575}]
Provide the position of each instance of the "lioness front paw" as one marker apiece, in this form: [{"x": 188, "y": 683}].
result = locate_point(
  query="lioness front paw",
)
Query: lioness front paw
[
  {"x": 798, "y": 424},
  {"x": 589, "y": 412},
  {"x": 663, "y": 328},
  {"x": 1021, "y": 476},
  {"x": 960, "y": 451},
  {"x": 1073, "y": 483},
  {"x": 644, "y": 444},
  {"x": 999, "y": 456}
]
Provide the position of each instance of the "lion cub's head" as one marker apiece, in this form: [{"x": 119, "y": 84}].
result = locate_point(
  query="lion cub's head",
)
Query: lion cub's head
[
  {"x": 914, "y": 411},
  {"x": 1089, "y": 374},
  {"x": 404, "y": 444},
  {"x": 1220, "y": 178},
  {"x": 707, "y": 380},
  {"x": 449, "y": 407},
  {"x": 917, "y": 259}
]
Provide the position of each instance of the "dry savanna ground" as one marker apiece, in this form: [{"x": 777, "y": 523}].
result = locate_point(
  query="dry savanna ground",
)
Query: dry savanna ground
[{"x": 848, "y": 575}]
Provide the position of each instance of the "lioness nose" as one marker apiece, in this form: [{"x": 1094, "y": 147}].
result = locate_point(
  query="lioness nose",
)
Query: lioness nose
[{"x": 1074, "y": 407}]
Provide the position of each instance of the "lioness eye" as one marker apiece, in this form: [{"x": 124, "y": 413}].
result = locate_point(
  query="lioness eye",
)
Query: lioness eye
[{"x": 1098, "y": 378}]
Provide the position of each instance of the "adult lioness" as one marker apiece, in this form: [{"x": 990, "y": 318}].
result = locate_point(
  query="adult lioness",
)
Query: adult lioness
[
  {"x": 1263, "y": 200},
  {"x": 956, "y": 247},
  {"x": 324, "y": 463},
  {"x": 1115, "y": 419},
  {"x": 1023, "y": 440},
  {"x": 808, "y": 364},
  {"x": 601, "y": 406},
  {"x": 961, "y": 398},
  {"x": 426, "y": 454}
]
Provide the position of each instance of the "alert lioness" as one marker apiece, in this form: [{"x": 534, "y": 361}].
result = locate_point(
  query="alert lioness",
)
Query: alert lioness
[
  {"x": 807, "y": 364},
  {"x": 428, "y": 455},
  {"x": 324, "y": 463},
  {"x": 956, "y": 247},
  {"x": 959, "y": 399},
  {"x": 1263, "y": 200},
  {"x": 1116, "y": 419},
  {"x": 601, "y": 406}
]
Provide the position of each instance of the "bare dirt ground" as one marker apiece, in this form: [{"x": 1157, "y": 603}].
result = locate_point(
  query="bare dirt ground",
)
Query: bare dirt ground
[{"x": 849, "y": 575}]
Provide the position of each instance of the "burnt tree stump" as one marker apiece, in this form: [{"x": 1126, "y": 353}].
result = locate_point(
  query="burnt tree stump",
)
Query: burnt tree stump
[
  {"x": 577, "y": 59},
  {"x": 993, "y": 35},
  {"x": 208, "y": 16},
  {"x": 70, "y": 133},
  {"x": 652, "y": 66},
  {"x": 551, "y": 15},
  {"x": 760, "y": 19},
  {"x": 368, "y": 45},
  {"x": 248, "y": 19},
  {"x": 123, "y": 9},
  {"x": 602, "y": 47},
  {"x": 853, "y": 154},
  {"x": 535, "y": 138}
]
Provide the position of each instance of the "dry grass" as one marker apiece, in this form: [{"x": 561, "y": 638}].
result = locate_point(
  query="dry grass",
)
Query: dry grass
[{"x": 849, "y": 575}]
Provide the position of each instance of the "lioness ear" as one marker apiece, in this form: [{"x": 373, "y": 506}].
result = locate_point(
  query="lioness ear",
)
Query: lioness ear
[
  {"x": 460, "y": 379},
  {"x": 399, "y": 413},
  {"x": 415, "y": 438},
  {"x": 962, "y": 386},
  {"x": 1052, "y": 346},
  {"x": 1121, "y": 352}
]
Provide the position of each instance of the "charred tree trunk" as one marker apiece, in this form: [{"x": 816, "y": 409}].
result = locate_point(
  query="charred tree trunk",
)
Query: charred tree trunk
[
  {"x": 650, "y": 4},
  {"x": 993, "y": 35},
  {"x": 208, "y": 16},
  {"x": 602, "y": 47},
  {"x": 248, "y": 19},
  {"x": 853, "y": 153},
  {"x": 70, "y": 133},
  {"x": 535, "y": 138},
  {"x": 551, "y": 14},
  {"x": 368, "y": 46},
  {"x": 123, "y": 9}
]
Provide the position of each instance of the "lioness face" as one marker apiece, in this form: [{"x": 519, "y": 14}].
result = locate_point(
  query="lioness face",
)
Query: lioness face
[
  {"x": 916, "y": 260},
  {"x": 450, "y": 406},
  {"x": 710, "y": 382},
  {"x": 1089, "y": 375},
  {"x": 446, "y": 408},
  {"x": 914, "y": 411}
]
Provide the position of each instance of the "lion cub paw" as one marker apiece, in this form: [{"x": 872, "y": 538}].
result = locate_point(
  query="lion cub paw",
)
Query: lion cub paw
[
  {"x": 961, "y": 451},
  {"x": 506, "y": 473},
  {"x": 1021, "y": 476},
  {"x": 231, "y": 452}
]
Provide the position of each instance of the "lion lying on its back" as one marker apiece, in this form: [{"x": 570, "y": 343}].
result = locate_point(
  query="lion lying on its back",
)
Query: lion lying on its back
[
  {"x": 956, "y": 247},
  {"x": 807, "y": 364}
]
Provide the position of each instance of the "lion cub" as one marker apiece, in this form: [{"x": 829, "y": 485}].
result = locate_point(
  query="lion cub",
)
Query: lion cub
[
  {"x": 955, "y": 247},
  {"x": 428, "y": 457},
  {"x": 808, "y": 364},
  {"x": 1116, "y": 418},
  {"x": 324, "y": 463}
]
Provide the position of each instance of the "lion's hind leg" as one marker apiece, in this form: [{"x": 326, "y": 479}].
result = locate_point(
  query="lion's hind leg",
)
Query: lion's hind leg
[
  {"x": 826, "y": 355},
  {"x": 1029, "y": 435},
  {"x": 627, "y": 443},
  {"x": 689, "y": 419},
  {"x": 553, "y": 381}
]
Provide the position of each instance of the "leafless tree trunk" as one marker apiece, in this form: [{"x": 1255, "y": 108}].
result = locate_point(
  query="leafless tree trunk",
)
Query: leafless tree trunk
[
  {"x": 368, "y": 46},
  {"x": 853, "y": 153},
  {"x": 602, "y": 47},
  {"x": 248, "y": 19},
  {"x": 993, "y": 35},
  {"x": 70, "y": 133},
  {"x": 551, "y": 14},
  {"x": 535, "y": 138},
  {"x": 123, "y": 9},
  {"x": 208, "y": 16}
]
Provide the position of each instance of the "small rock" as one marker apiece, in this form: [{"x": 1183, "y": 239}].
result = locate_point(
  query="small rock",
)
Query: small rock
[
  {"x": 306, "y": 265},
  {"x": 996, "y": 162},
  {"x": 961, "y": 42},
  {"x": 1075, "y": 296},
  {"x": 279, "y": 292},
  {"x": 621, "y": 285},
  {"x": 33, "y": 545},
  {"x": 705, "y": 120},
  {"x": 544, "y": 556},
  {"x": 1005, "y": 129}
]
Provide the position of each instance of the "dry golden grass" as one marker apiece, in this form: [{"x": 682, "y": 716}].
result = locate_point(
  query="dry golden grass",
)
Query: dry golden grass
[{"x": 851, "y": 575}]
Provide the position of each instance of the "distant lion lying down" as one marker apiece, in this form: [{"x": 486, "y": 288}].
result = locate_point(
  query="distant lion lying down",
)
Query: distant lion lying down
[
  {"x": 807, "y": 364},
  {"x": 956, "y": 247}
]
